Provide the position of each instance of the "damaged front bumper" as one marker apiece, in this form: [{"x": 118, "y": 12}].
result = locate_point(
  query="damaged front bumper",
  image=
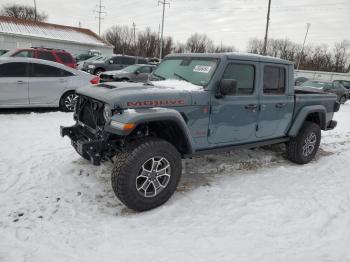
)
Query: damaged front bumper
[{"x": 88, "y": 146}]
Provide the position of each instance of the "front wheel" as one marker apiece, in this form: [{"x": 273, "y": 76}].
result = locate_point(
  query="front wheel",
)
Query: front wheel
[
  {"x": 146, "y": 175},
  {"x": 303, "y": 148}
]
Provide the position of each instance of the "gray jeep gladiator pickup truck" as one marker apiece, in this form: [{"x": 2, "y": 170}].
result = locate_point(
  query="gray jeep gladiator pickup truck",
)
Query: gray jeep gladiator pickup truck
[{"x": 195, "y": 104}]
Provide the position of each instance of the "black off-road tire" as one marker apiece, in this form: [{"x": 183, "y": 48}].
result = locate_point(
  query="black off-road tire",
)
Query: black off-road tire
[
  {"x": 295, "y": 147},
  {"x": 63, "y": 106},
  {"x": 128, "y": 165}
]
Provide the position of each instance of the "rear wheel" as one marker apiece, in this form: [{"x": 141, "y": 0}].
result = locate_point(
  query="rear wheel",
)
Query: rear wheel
[
  {"x": 68, "y": 101},
  {"x": 146, "y": 175},
  {"x": 303, "y": 148}
]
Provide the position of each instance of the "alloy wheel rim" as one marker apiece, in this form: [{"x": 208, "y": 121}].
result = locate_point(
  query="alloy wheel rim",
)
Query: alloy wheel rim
[
  {"x": 309, "y": 144},
  {"x": 153, "y": 177},
  {"x": 70, "y": 102}
]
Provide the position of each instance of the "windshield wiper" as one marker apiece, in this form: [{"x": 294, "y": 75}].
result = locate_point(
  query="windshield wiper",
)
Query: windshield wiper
[
  {"x": 181, "y": 77},
  {"x": 161, "y": 77}
]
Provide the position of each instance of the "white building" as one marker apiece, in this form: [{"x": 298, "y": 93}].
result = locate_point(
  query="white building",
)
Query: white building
[
  {"x": 18, "y": 33},
  {"x": 320, "y": 75}
]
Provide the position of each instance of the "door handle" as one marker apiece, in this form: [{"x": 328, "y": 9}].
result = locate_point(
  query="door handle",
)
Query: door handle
[
  {"x": 20, "y": 82},
  {"x": 280, "y": 105},
  {"x": 251, "y": 107},
  {"x": 62, "y": 80}
]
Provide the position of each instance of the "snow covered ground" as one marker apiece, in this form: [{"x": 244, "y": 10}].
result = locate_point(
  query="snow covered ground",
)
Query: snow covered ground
[{"x": 250, "y": 205}]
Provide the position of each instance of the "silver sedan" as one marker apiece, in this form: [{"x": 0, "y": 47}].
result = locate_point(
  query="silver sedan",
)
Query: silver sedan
[{"x": 29, "y": 82}]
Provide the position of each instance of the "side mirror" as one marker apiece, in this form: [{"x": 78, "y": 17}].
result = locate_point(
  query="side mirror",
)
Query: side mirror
[
  {"x": 228, "y": 87},
  {"x": 137, "y": 72},
  {"x": 110, "y": 61}
]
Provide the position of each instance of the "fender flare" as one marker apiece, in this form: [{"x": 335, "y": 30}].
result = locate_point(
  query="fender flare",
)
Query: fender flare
[
  {"x": 303, "y": 114},
  {"x": 148, "y": 115}
]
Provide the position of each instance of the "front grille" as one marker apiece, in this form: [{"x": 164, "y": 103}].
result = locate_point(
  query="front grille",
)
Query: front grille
[{"x": 90, "y": 112}]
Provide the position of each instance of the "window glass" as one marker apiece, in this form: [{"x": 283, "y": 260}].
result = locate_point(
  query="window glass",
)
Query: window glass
[
  {"x": 145, "y": 69},
  {"x": 274, "y": 80},
  {"x": 46, "y": 56},
  {"x": 128, "y": 60},
  {"x": 244, "y": 75},
  {"x": 66, "y": 73},
  {"x": 40, "y": 70},
  {"x": 116, "y": 60},
  {"x": 13, "y": 70},
  {"x": 197, "y": 71},
  {"x": 65, "y": 58},
  {"x": 142, "y": 61},
  {"x": 24, "y": 53}
]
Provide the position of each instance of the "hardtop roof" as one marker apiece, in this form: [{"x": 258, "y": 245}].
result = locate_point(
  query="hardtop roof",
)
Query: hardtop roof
[{"x": 236, "y": 56}]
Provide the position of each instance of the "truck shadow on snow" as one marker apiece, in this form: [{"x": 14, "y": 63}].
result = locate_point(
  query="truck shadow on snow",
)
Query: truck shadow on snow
[{"x": 26, "y": 111}]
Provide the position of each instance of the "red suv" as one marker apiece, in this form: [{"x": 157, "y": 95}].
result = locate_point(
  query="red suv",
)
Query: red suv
[{"x": 55, "y": 55}]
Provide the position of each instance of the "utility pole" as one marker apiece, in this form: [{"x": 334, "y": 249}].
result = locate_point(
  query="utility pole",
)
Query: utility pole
[
  {"x": 302, "y": 49},
  {"x": 164, "y": 3},
  {"x": 100, "y": 12},
  {"x": 35, "y": 16},
  {"x": 267, "y": 28},
  {"x": 134, "y": 32}
]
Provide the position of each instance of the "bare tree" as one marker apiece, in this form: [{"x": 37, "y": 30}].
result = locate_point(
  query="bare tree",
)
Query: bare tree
[
  {"x": 121, "y": 37},
  {"x": 23, "y": 12},
  {"x": 199, "y": 43},
  {"x": 341, "y": 56}
]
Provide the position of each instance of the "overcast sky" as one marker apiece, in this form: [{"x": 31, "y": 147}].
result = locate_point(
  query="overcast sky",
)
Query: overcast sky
[{"x": 233, "y": 22}]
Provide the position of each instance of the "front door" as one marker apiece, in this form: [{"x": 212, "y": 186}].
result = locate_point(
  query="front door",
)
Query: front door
[
  {"x": 276, "y": 104},
  {"x": 234, "y": 118},
  {"x": 46, "y": 83},
  {"x": 14, "y": 84}
]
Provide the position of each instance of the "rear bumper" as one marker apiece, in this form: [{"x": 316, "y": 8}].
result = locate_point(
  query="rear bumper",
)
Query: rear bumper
[
  {"x": 90, "y": 149},
  {"x": 331, "y": 125}
]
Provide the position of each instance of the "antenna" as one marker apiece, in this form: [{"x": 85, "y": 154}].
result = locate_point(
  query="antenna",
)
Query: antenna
[
  {"x": 164, "y": 3},
  {"x": 100, "y": 12}
]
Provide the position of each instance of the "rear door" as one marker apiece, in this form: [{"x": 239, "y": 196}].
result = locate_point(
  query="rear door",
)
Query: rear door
[
  {"x": 14, "y": 84},
  {"x": 276, "y": 105},
  {"x": 46, "y": 83}
]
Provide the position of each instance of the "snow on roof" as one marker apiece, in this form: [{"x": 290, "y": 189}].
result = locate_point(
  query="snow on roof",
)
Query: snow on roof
[{"x": 9, "y": 25}]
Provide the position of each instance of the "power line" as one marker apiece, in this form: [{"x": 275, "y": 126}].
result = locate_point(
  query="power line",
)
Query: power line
[
  {"x": 164, "y": 3},
  {"x": 100, "y": 12}
]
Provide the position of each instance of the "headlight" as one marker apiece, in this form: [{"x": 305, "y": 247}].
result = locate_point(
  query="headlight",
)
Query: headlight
[
  {"x": 91, "y": 66},
  {"x": 107, "y": 112}
]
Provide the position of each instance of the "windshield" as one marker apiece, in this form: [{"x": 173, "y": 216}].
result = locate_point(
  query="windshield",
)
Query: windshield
[
  {"x": 316, "y": 84},
  {"x": 197, "y": 71},
  {"x": 131, "y": 69}
]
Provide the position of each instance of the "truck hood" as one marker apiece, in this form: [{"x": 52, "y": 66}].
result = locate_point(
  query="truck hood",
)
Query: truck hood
[{"x": 168, "y": 93}]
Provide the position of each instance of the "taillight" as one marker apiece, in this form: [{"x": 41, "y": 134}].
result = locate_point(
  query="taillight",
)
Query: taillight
[{"x": 95, "y": 80}]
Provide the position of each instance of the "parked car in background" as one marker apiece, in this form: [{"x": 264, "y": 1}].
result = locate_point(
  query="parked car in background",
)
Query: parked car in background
[
  {"x": 116, "y": 62},
  {"x": 133, "y": 73},
  {"x": 88, "y": 55},
  {"x": 54, "y": 55},
  {"x": 300, "y": 80},
  {"x": 329, "y": 87},
  {"x": 3, "y": 51},
  {"x": 80, "y": 65},
  {"x": 345, "y": 83},
  {"x": 29, "y": 82}
]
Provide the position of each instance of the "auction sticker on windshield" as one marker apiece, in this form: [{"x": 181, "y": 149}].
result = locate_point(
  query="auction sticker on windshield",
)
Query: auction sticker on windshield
[{"x": 202, "y": 69}]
